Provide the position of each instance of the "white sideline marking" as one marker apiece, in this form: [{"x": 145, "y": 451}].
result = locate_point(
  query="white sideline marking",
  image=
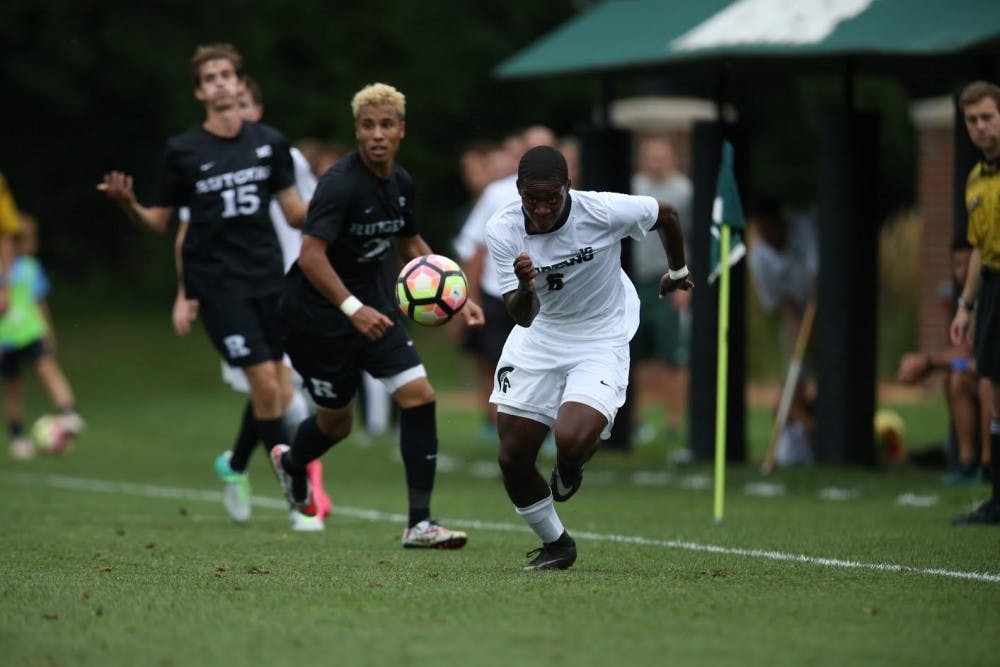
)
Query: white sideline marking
[
  {"x": 917, "y": 500},
  {"x": 764, "y": 489},
  {"x": 150, "y": 491},
  {"x": 838, "y": 494}
]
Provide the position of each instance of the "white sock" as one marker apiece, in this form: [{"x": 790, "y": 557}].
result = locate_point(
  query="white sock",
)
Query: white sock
[
  {"x": 295, "y": 413},
  {"x": 543, "y": 519},
  {"x": 378, "y": 406}
]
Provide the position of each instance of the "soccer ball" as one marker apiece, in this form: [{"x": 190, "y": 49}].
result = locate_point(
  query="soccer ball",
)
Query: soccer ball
[
  {"x": 431, "y": 289},
  {"x": 49, "y": 435}
]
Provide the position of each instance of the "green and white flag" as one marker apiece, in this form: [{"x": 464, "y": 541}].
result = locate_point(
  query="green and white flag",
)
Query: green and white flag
[{"x": 727, "y": 210}]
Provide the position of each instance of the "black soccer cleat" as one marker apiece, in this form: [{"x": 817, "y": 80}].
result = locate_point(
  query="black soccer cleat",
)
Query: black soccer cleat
[
  {"x": 565, "y": 481},
  {"x": 987, "y": 514},
  {"x": 558, "y": 555}
]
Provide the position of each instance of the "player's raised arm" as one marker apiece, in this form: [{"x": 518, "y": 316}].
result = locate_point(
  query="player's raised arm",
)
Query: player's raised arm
[
  {"x": 117, "y": 186},
  {"x": 672, "y": 237},
  {"x": 523, "y": 303}
]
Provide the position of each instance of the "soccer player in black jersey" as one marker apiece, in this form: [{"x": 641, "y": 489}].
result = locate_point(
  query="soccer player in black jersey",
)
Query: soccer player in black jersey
[
  {"x": 341, "y": 318},
  {"x": 226, "y": 171},
  {"x": 236, "y": 496}
]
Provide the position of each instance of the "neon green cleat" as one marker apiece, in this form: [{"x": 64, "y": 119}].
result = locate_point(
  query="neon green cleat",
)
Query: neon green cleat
[{"x": 236, "y": 496}]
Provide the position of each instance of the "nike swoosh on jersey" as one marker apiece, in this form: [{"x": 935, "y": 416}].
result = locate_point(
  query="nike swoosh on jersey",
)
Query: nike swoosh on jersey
[{"x": 207, "y": 166}]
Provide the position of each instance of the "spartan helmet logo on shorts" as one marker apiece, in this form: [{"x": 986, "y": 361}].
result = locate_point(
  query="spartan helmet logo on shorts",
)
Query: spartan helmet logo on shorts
[{"x": 503, "y": 378}]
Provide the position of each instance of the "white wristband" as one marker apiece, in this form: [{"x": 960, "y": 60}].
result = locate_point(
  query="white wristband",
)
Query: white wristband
[
  {"x": 679, "y": 274},
  {"x": 351, "y": 305}
]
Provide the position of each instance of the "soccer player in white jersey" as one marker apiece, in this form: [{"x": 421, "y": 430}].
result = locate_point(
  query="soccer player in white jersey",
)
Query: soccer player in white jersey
[{"x": 565, "y": 366}]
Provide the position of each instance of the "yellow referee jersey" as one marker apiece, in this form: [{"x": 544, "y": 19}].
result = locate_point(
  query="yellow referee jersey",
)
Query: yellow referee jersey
[{"x": 982, "y": 201}]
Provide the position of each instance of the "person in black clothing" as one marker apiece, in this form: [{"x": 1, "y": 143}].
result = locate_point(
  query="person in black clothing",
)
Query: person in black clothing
[
  {"x": 226, "y": 172},
  {"x": 341, "y": 317}
]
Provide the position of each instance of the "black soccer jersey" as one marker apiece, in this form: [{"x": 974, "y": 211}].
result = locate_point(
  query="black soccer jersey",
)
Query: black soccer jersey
[
  {"x": 357, "y": 214},
  {"x": 227, "y": 183}
]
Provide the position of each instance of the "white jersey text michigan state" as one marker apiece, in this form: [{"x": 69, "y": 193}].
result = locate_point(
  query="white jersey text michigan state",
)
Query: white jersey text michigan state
[{"x": 584, "y": 293}]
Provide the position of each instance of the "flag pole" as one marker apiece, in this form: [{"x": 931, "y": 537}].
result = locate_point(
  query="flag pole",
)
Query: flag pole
[
  {"x": 727, "y": 213},
  {"x": 722, "y": 379}
]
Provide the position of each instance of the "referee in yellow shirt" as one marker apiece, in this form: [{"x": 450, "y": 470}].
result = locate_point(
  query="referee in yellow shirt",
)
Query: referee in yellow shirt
[{"x": 980, "y": 105}]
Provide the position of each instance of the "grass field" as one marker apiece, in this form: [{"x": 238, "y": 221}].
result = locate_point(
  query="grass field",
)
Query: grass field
[{"x": 120, "y": 552}]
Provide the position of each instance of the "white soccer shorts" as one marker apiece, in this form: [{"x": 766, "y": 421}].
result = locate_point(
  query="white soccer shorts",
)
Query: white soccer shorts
[{"x": 532, "y": 381}]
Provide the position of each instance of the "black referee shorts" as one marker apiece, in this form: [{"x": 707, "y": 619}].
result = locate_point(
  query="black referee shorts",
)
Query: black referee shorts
[{"x": 987, "y": 334}]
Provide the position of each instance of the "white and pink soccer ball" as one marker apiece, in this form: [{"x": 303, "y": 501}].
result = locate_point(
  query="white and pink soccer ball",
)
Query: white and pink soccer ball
[
  {"x": 50, "y": 435},
  {"x": 431, "y": 289}
]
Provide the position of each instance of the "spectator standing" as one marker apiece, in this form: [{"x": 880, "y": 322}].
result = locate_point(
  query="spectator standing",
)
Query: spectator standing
[{"x": 662, "y": 345}]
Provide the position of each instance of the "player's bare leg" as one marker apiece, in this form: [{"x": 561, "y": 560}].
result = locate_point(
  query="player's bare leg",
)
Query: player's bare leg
[
  {"x": 61, "y": 393},
  {"x": 265, "y": 389},
  {"x": 520, "y": 441},
  {"x": 576, "y": 430}
]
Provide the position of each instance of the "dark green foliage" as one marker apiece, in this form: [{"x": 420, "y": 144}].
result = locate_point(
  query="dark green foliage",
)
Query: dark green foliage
[{"x": 94, "y": 86}]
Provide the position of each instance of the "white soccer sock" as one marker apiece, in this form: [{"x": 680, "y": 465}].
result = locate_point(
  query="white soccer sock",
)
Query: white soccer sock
[
  {"x": 378, "y": 406},
  {"x": 295, "y": 413},
  {"x": 542, "y": 518}
]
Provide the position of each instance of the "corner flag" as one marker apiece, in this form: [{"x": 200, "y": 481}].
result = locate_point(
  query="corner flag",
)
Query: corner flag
[
  {"x": 726, "y": 211},
  {"x": 727, "y": 221}
]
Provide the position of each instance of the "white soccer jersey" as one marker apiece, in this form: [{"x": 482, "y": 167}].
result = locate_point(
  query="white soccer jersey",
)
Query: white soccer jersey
[
  {"x": 584, "y": 293},
  {"x": 289, "y": 237}
]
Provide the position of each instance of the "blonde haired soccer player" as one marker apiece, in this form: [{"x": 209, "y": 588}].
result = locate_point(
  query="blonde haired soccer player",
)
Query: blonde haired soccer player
[{"x": 341, "y": 318}]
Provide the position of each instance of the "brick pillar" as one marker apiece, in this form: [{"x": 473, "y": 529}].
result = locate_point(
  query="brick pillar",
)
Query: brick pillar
[{"x": 934, "y": 120}]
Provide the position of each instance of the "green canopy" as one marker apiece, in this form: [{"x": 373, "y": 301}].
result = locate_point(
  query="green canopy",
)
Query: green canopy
[{"x": 633, "y": 34}]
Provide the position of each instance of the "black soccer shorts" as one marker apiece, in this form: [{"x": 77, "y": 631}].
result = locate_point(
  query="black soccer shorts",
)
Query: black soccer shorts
[
  {"x": 331, "y": 366},
  {"x": 245, "y": 330}
]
